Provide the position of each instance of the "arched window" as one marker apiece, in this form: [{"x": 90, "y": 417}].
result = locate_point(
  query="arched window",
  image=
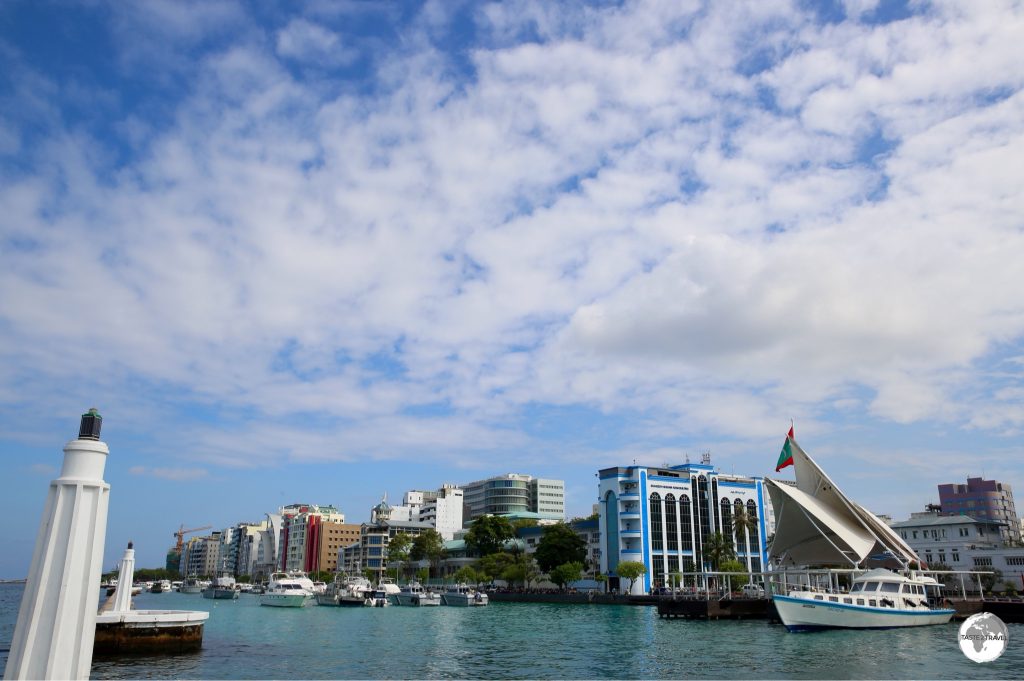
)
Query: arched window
[
  {"x": 611, "y": 515},
  {"x": 738, "y": 510},
  {"x": 752, "y": 513},
  {"x": 657, "y": 540},
  {"x": 684, "y": 522},
  {"x": 671, "y": 523},
  {"x": 726, "y": 510}
]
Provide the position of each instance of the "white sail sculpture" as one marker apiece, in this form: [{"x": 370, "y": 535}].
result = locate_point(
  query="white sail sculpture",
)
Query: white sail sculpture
[{"x": 816, "y": 524}]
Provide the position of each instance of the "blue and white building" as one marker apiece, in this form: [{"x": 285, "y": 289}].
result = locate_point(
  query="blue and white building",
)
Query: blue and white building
[{"x": 663, "y": 517}]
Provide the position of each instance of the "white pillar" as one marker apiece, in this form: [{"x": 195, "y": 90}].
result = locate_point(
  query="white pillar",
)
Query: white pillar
[
  {"x": 53, "y": 638},
  {"x": 123, "y": 594}
]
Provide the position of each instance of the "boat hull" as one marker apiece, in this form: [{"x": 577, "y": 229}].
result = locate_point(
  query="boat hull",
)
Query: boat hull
[
  {"x": 285, "y": 600},
  {"x": 801, "y": 614},
  {"x": 220, "y": 594},
  {"x": 464, "y": 600},
  {"x": 419, "y": 599}
]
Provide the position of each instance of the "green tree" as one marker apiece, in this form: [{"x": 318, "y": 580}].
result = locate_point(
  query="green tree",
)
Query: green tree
[
  {"x": 631, "y": 569},
  {"x": 520, "y": 523},
  {"x": 399, "y": 547},
  {"x": 370, "y": 573},
  {"x": 493, "y": 565},
  {"x": 428, "y": 546},
  {"x": 718, "y": 549},
  {"x": 423, "y": 574},
  {"x": 560, "y": 545},
  {"x": 566, "y": 573},
  {"x": 467, "y": 575},
  {"x": 743, "y": 525},
  {"x": 601, "y": 579},
  {"x": 522, "y": 569},
  {"x": 488, "y": 534}
]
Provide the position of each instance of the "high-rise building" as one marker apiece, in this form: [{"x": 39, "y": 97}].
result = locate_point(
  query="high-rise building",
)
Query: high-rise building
[
  {"x": 443, "y": 509},
  {"x": 514, "y": 493},
  {"x": 335, "y": 536},
  {"x": 664, "y": 517},
  {"x": 985, "y": 500},
  {"x": 301, "y": 535}
]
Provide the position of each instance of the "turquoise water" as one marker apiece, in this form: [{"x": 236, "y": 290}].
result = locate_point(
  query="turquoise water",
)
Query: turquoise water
[{"x": 507, "y": 640}]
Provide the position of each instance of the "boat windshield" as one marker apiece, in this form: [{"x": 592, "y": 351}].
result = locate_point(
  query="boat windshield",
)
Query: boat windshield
[
  {"x": 857, "y": 587},
  {"x": 890, "y": 587},
  {"x": 871, "y": 586}
]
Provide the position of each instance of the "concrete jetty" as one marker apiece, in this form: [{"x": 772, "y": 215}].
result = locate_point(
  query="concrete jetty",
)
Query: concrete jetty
[{"x": 121, "y": 630}]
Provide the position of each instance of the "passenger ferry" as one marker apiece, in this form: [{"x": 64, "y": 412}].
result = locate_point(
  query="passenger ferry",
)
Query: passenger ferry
[
  {"x": 288, "y": 590},
  {"x": 879, "y": 599}
]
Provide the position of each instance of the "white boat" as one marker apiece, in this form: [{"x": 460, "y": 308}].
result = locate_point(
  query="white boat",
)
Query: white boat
[
  {"x": 222, "y": 588},
  {"x": 463, "y": 595},
  {"x": 161, "y": 587},
  {"x": 414, "y": 594},
  {"x": 191, "y": 585},
  {"x": 347, "y": 591},
  {"x": 878, "y": 599},
  {"x": 288, "y": 590}
]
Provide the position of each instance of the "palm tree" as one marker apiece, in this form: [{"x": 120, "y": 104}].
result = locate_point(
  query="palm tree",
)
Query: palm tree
[
  {"x": 719, "y": 549},
  {"x": 744, "y": 524}
]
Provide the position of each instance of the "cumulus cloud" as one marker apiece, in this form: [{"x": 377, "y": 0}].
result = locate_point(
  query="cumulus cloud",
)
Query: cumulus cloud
[{"x": 627, "y": 208}]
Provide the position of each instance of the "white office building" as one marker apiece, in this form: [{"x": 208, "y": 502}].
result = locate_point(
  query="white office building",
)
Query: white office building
[{"x": 514, "y": 493}]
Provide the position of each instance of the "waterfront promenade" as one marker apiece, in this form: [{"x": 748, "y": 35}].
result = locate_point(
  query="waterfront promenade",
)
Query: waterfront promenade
[{"x": 537, "y": 641}]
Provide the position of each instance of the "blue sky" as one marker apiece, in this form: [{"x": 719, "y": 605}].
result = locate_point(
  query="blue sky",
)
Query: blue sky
[{"x": 318, "y": 251}]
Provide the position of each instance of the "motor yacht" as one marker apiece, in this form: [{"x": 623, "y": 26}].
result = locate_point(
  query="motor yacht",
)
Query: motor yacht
[
  {"x": 288, "y": 590},
  {"x": 463, "y": 595},
  {"x": 878, "y": 599},
  {"x": 414, "y": 594}
]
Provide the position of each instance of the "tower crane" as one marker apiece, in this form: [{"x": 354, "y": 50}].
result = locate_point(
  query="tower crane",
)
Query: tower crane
[{"x": 181, "y": 532}]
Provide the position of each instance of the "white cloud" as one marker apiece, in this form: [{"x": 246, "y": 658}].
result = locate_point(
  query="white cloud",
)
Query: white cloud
[
  {"x": 313, "y": 44},
  {"x": 612, "y": 217}
]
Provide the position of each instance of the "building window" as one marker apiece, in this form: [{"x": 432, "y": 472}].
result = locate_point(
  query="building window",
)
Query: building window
[
  {"x": 982, "y": 562},
  {"x": 684, "y": 520},
  {"x": 672, "y": 525},
  {"x": 752, "y": 514},
  {"x": 1015, "y": 560},
  {"x": 726, "y": 513},
  {"x": 956, "y": 557},
  {"x": 657, "y": 540}
]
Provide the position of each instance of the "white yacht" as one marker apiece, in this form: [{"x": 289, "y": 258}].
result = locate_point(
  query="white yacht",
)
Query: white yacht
[
  {"x": 879, "y": 599},
  {"x": 345, "y": 590},
  {"x": 288, "y": 590},
  {"x": 463, "y": 595},
  {"x": 414, "y": 594},
  {"x": 222, "y": 587},
  {"x": 161, "y": 587}
]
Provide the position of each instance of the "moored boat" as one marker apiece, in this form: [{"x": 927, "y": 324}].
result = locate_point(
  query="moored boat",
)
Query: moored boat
[
  {"x": 878, "y": 599},
  {"x": 346, "y": 590},
  {"x": 414, "y": 594},
  {"x": 463, "y": 595},
  {"x": 222, "y": 588},
  {"x": 161, "y": 587},
  {"x": 288, "y": 590},
  {"x": 191, "y": 585}
]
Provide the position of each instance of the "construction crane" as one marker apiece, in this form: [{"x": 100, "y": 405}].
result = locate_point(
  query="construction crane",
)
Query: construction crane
[{"x": 182, "y": 532}]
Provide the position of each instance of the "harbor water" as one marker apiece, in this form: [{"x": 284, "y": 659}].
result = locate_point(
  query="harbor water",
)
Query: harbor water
[{"x": 535, "y": 641}]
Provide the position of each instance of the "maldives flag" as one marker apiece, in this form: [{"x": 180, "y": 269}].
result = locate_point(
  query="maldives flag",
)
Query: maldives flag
[{"x": 786, "y": 456}]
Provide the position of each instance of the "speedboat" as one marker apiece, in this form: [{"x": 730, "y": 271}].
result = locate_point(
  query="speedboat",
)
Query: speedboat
[
  {"x": 161, "y": 587},
  {"x": 878, "y": 599},
  {"x": 191, "y": 585},
  {"x": 463, "y": 595},
  {"x": 413, "y": 593},
  {"x": 288, "y": 590},
  {"x": 378, "y": 599},
  {"x": 222, "y": 587}
]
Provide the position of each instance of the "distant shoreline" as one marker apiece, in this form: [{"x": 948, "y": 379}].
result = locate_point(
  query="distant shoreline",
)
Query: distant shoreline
[{"x": 13, "y": 581}]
